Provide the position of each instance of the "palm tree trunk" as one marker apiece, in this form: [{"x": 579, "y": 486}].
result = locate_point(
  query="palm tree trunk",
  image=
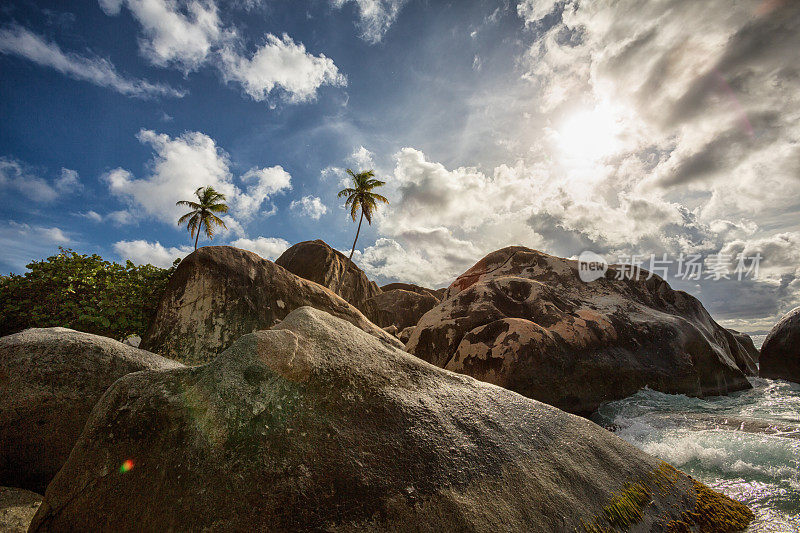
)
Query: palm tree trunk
[
  {"x": 350, "y": 259},
  {"x": 196, "y": 239}
]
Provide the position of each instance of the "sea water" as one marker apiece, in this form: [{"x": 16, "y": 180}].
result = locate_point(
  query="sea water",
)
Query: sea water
[{"x": 746, "y": 445}]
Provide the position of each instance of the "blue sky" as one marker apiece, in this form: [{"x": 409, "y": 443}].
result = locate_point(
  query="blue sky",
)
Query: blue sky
[{"x": 623, "y": 128}]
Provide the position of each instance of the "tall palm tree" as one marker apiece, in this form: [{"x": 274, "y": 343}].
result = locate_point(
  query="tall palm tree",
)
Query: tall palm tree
[
  {"x": 202, "y": 213},
  {"x": 360, "y": 196}
]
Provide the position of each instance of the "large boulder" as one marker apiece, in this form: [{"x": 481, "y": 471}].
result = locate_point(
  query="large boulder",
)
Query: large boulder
[
  {"x": 438, "y": 293},
  {"x": 318, "y": 262},
  {"x": 780, "y": 354},
  {"x": 524, "y": 320},
  {"x": 749, "y": 347},
  {"x": 405, "y": 334},
  {"x": 219, "y": 293},
  {"x": 398, "y": 307},
  {"x": 317, "y": 426},
  {"x": 17, "y": 509},
  {"x": 50, "y": 379}
]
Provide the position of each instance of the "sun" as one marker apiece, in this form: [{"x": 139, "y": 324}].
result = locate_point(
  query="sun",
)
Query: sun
[{"x": 588, "y": 135}]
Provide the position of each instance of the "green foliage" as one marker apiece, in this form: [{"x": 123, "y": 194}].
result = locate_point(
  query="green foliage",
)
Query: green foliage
[{"x": 82, "y": 292}]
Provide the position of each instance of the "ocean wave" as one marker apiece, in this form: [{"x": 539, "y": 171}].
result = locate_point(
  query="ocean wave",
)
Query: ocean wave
[{"x": 746, "y": 445}]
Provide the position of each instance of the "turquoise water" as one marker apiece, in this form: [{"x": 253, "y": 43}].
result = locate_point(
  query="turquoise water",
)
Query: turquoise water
[{"x": 746, "y": 445}]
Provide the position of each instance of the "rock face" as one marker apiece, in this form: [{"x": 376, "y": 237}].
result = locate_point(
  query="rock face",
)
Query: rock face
[
  {"x": 405, "y": 334},
  {"x": 17, "y": 508},
  {"x": 524, "y": 320},
  {"x": 438, "y": 293},
  {"x": 317, "y": 426},
  {"x": 50, "y": 379},
  {"x": 219, "y": 293},
  {"x": 746, "y": 342},
  {"x": 318, "y": 262},
  {"x": 398, "y": 307},
  {"x": 780, "y": 354}
]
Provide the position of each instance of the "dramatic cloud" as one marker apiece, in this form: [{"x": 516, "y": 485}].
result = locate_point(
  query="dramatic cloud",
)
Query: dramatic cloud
[
  {"x": 711, "y": 85},
  {"x": 441, "y": 221},
  {"x": 267, "y": 247},
  {"x": 284, "y": 65},
  {"x": 153, "y": 253},
  {"x": 19, "y": 41},
  {"x": 181, "y": 165},
  {"x": 375, "y": 16},
  {"x": 309, "y": 206}
]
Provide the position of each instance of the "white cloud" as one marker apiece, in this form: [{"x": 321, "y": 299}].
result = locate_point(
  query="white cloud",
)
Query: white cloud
[
  {"x": 267, "y": 247},
  {"x": 362, "y": 159},
  {"x": 19, "y": 41},
  {"x": 180, "y": 33},
  {"x": 92, "y": 215},
  {"x": 187, "y": 34},
  {"x": 68, "y": 181},
  {"x": 14, "y": 175},
  {"x": 262, "y": 183},
  {"x": 23, "y": 243},
  {"x": 118, "y": 218},
  {"x": 121, "y": 217},
  {"x": 309, "y": 206},
  {"x": 280, "y": 64},
  {"x": 153, "y": 253},
  {"x": 375, "y": 16},
  {"x": 183, "y": 164},
  {"x": 532, "y": 11},
  {"x": 110, "y": 7}
]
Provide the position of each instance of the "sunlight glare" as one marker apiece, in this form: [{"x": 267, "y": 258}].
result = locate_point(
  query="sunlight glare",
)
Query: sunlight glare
[{"x": 589, "y": 135}]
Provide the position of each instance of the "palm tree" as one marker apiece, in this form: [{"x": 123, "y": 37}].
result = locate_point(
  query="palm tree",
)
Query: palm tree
[
  {"x": 360, "y": 196},
  {"x": 202, "y": 213}
]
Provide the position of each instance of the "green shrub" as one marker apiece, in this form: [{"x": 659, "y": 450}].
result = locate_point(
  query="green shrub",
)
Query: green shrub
[{"x": 82, "y": 292}]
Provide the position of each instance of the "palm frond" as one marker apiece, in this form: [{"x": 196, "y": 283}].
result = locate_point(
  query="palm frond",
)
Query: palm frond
[
  {"x": 209, "y": 201},
  {"x": 214, "y": 219},
  {"x": 218, "y": 208}
]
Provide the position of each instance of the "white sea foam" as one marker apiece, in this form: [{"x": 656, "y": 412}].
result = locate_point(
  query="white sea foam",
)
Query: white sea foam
[{"x": 746, "y": 445}]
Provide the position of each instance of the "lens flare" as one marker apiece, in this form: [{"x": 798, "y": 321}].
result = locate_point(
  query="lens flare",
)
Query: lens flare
[{"x": 126, "y": 466}]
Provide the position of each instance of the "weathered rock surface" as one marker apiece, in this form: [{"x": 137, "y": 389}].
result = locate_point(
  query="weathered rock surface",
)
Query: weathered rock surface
[
  {"x": 438, "y": 293},
  {"x": 219, "y": 293},
  {"x": 405, "y": 334},
  {"x": 524, "y": 320},
  {"x": 50, "y": 379},
  {"x": 398, "y": 307},
  {"x": 780, "y": 354},
  {"x": 317, "y": 426},
  {"x": 318, "y": 262},
  {"x": 17, "y": 508},
  {"x": 753, "y": 354}
]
